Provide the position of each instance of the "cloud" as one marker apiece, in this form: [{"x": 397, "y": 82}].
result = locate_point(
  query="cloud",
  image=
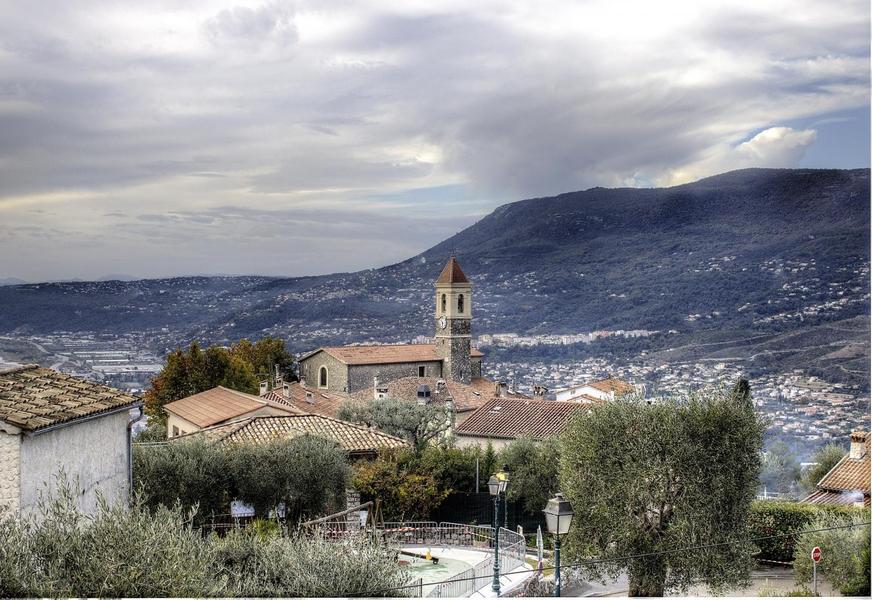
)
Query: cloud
[
  {"x": 171, "y": 108},
  {"x": 774, "y": 147}
]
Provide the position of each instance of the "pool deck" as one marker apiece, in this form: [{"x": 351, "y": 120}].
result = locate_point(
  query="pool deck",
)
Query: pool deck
[{"x": 508, "y": 581}]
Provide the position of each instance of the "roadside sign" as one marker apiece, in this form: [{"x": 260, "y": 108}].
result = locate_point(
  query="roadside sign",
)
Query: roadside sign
[{"x": 816, "y": 554}]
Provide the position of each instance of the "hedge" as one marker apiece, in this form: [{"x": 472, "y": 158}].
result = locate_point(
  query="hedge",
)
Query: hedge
[{"x": 771, "y": 518}]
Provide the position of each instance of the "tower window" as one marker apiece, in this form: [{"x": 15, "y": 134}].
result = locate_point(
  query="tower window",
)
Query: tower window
[
  {"x": 322, "y": 377},
  {"x": 460, "y": 303},
  {"x": 444, "y": 303}
]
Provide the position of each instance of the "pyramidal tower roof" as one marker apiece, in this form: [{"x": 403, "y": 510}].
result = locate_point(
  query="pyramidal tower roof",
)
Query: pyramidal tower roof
[{"x": 452, "y": 273}]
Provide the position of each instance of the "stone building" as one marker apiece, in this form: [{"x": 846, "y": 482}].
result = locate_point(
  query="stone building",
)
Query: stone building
[
  {"x": 349, "y": 369},
  {"x": 51, "y": 423}
]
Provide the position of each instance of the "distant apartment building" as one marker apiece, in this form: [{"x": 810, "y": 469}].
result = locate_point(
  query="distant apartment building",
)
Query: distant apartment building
[{"x": 52, "y": 423}]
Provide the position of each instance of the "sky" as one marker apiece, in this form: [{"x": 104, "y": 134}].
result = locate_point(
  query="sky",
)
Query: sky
[{"x": 164, "y": 138}]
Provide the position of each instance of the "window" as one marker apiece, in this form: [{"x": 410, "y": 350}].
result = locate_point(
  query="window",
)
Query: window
[
  {"x": 175, "y": 431},
  {"x": 444, "y": 303},
  {"x": 322, "y": 377},
  {"x": 460, "y": 303},
  {"x": 422, "y": 370}
]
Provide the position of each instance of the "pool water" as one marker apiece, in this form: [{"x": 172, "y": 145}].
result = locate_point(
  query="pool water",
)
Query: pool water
[{"x": 429, "y": 573}]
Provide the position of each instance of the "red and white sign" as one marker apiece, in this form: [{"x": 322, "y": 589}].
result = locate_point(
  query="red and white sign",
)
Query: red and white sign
[{"x": 816, "y": 554}]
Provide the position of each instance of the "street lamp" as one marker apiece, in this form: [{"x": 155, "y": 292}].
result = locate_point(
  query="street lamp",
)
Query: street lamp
[
  {"x": 497, "y": 485},
  {"x": 558, "y": 518}
]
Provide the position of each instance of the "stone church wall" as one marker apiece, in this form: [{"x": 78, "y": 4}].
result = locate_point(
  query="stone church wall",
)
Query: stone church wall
[
  {"x": 361, "y": 376},
  {"x": 337, "y": 371}
]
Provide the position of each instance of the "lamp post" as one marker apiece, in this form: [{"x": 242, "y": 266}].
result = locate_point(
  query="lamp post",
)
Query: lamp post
[
  {"x": 497, "y": 485},
  {"x": 558, "y": 517}
]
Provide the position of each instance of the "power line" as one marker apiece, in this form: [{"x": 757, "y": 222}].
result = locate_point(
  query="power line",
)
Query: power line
[{"x": 594, "y": 561}]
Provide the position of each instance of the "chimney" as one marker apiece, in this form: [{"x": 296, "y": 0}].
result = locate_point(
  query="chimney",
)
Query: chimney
[
  {"x": 440, "y": 386},
  {"x": 375, "y": 388},
  {"x": 310, "y": 397},
  {"x": 303, "y": 381},
  {"x": 278, "y": 378},
  {"x": 286, "y": 390},
  {"x": 499, "y": 389},
  {"x": 858, "y": 444},
  {"x": 264, "y": 387}
]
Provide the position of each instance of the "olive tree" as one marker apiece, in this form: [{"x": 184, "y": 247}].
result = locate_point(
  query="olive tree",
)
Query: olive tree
[
  {"x": 417, "y": 423},
  {"x": 646, "y": 479},
  {"x": 845, "y": 552}
]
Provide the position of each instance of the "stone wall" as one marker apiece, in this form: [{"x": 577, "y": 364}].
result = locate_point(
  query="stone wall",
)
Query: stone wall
[
  {"x": 337, "y": 372},
  {"x": 10, "y": 470},
  {"x": 360, "y": 377},
  {"x": 92, "y": 453}
]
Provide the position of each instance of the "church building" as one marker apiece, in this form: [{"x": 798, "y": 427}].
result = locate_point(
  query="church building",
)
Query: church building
[{"x": 350, "y": 369}]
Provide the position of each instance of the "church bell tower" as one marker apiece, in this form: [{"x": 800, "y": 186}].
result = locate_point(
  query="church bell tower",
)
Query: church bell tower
[{"x": 454, "y": 322}]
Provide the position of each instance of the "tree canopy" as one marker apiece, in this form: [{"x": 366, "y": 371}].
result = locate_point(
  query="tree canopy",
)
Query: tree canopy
[
  {"x": 645, "y": 478},
  {"x": 781, "y": 468},
  {"x": 195, "y": 370},
  {"x": 417, "y": 423},
  {"x": 826, "y": 458}
]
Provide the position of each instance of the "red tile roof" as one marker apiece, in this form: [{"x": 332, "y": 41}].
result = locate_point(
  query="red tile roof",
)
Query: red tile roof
[
  {"x": 218, "y": 405},
  {"x": 308, "y": 399},
  {"x": 452, "y": 273},
  {"x": 612, "y": 385},
  {"x": 465, "y": 397},
  {"x": 509, "y": 418},
  {"x": 384, "y": 354},
  {"x": 354, "y": 439},
  {"x": 34, "y": 397},
  {"x": 849, "y": 477}
]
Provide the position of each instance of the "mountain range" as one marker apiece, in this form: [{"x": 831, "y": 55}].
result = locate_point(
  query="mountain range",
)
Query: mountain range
[{"x": 751, "y": 256}]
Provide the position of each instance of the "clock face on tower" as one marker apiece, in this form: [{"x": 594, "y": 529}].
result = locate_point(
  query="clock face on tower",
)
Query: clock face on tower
[{"x": 442, "y": 322}]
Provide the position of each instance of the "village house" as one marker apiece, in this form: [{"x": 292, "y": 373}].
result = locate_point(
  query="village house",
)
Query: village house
[
  {"x": 217, "y": 406},
  {"x": 356, "y": 440},
  {"x": 451, "y": 357},
  {"x": 52, "y": 423},
  {"x": 502, "y": 420},
  {"x": 848, "y": 481},
  {"x": 595, "y": 391}
]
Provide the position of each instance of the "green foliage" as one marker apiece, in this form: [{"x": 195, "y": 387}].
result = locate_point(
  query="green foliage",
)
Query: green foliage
[
  {"x": 194, "y": 370},
  {"x": 307, "y": 474},
  {"x": 769, "y": 518},
  {"x": 781, "y": 468},
  {"x": 533, "y": 468},
  {"x": 419, "y": 424},
  {"x": 115, "y": 553},
  {"x": 396, "y": 478},
  {"x": 844, "y": 552},
  {"x": 826, "y": 458},
  {"x": 280, "y": 566},
  {"x": 452, "y": 468},
  {"x": 265, "y": 356},
  {"x": 142, "y": 552},
  {"x": 193, "y": 473},
  {"x": 154, "y": 432},
  {"x": 644, "y": 478}
]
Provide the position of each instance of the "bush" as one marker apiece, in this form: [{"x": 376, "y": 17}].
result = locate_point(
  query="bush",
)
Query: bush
[
  {"x": 773, "y": 518},
  {"x": 143, "y": 552},
  {"x": 395, "y": 478},
  {"x": 845, "y": 553},
  {"x": 116, "y": 552},
  {"x": 193, "y": 473},
  {"x": 533, "y": 471},
  {"x": 302, "y": 567},
  {"x": 307, "y": 474}
]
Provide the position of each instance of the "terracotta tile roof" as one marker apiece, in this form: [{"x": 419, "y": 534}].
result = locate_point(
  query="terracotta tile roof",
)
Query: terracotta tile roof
[
  {"x": 509, "y": 418},
  {"x": 465, "y": 397},
  {"x": 842, "y": 498},
  {"x": 218, "y": 405},
  {"x": 34, "y": 397},
  {"x": 308, "y": 399},
  {"x": 613, "y": 385},
  {"x": 849, "y": 474},
  {"x": 354, "y": 439},
  {"x": 452, "y": 273},
  {"x": 384, "y": 354}
]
